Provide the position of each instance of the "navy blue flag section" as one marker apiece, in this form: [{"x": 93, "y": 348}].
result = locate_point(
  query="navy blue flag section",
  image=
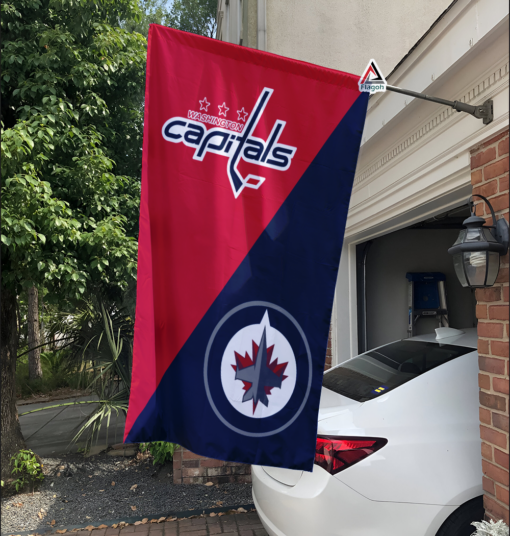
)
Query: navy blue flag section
[{"x": 247, "y": 177}]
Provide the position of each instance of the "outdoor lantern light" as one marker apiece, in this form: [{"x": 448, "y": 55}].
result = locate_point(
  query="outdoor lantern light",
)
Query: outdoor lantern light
[{"x": 478, "y": 248}]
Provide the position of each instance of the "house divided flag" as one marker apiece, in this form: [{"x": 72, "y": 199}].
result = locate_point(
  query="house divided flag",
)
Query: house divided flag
[{"x": 248, "y": 165}]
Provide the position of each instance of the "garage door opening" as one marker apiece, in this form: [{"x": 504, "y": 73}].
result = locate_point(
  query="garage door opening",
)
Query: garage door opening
[{"x": 382, "y": 287}]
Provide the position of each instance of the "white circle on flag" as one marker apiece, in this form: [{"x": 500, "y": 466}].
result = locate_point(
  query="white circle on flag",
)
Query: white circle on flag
[{"x": 281, "y": 352}]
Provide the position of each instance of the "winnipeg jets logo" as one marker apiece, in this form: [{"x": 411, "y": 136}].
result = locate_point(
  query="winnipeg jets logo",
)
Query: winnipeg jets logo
[
  {"x": 222, "y": 141},
  {"x": 258, "y": 370},
  {"x": 258, "y": 374}
]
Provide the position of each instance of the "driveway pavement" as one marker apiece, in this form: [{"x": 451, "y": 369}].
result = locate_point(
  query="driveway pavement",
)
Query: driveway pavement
[
  {"x": 234, "y": 525},
  {"x": 230, "y": 525},
  {"x": 50, "y": 432}
]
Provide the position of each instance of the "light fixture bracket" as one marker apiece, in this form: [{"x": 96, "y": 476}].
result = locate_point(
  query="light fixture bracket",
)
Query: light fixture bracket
[
  {"x": 501, "y": 234},
  {"x": 499, "y": 228}
]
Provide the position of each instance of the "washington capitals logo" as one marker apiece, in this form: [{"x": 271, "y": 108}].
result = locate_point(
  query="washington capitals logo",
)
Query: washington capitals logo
[
  {"x": 259, "y": 374},
  {"x": 372, "y": 80},
  {"x": 222, "y": 141}
]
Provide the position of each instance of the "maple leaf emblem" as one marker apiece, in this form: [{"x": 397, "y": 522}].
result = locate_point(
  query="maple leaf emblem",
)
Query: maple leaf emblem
[{"x": 258, "y": 373}]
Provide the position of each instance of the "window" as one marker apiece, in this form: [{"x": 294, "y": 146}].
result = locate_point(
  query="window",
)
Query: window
[{"x": 369, "y": 375}]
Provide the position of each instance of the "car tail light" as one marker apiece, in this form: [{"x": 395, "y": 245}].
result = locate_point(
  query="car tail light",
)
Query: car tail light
[{"x": 334, "y": 454}]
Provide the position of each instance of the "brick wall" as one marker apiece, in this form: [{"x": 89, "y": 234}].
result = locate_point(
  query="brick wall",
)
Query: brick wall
[
  {"x": 489, "y": 176},
  {"x": 191, "y": 468}
]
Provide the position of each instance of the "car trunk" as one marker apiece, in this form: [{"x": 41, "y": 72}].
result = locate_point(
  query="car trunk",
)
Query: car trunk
[{"x": 331, "y": 404}]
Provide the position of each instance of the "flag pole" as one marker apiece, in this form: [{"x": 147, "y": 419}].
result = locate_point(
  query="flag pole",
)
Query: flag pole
[{"x": 484, "y": 111}]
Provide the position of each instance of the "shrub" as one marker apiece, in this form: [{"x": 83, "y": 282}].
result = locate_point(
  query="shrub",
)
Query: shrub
[
  {"x": 26, "y": 468},
  {"x": 161, "y": 451},
  {"x": 57, "y": 374},
  {"x": 55, "y": 362}
]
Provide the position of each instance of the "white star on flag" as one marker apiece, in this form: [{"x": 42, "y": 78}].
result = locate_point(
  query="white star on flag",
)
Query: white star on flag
[
  {"x": 241, "y": 115},
  {"x": 224, "y": 112},
  {"x": 204, "y": 104}
]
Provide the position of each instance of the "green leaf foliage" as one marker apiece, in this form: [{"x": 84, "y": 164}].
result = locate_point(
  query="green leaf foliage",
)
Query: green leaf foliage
[
  {"x": 72, "y": 120},
  {"x": 152, "y": 12},
  {"x": 161, "y": 451},
  {"x": 195, "y": 16},
  {"x": 25, "y": 469}
]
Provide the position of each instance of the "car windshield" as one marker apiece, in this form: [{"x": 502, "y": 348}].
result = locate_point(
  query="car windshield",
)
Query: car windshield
[{"x": 369, "y": 375}]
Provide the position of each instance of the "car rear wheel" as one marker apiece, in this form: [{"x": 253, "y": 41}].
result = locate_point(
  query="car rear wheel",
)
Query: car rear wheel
[{"x": 459, "y": 523}]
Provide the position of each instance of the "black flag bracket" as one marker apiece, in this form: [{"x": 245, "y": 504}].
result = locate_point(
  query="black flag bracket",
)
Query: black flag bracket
[{"x": 484, "y": 111}]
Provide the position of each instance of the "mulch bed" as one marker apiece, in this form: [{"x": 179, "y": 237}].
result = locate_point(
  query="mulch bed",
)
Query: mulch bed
[{"x": 78, "y": 490}]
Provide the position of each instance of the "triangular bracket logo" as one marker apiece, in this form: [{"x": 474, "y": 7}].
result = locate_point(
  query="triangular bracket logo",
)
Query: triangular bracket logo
[{"x": 372, "y": 80}]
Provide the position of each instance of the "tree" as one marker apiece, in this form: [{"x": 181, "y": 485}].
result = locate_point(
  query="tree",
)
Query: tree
[
  {"x": 195, "y": 16},
  {"x": 72, "y": 120},
  {"x": 34, "y": 339},
  {"x": 152, "y": 12}
]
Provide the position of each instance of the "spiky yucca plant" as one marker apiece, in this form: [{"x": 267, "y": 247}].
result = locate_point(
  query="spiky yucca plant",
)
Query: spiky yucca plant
[
  {"x": 99, "y": 344},
  {"x": 111, "y": 372}
]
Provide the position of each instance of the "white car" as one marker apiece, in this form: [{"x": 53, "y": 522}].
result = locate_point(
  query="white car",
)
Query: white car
[{"x": 398, "y": 448}]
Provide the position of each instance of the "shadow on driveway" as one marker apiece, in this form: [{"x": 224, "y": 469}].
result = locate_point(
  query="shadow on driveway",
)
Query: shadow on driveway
[{"x": 50, "y": 432}]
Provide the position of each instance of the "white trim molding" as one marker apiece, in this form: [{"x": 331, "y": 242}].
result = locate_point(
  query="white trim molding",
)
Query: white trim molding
[{"x": 477, "y": 94}]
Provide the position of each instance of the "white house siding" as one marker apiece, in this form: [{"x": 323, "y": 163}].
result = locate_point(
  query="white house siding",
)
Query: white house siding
[
  {"x": 345, "y": 34},
  {"x": 340, "y": 34},
  {"x": 415, "y": 157}
]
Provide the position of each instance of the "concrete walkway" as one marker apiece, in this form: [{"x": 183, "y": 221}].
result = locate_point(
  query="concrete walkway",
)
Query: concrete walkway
[{"x": 50, "y": 432}]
